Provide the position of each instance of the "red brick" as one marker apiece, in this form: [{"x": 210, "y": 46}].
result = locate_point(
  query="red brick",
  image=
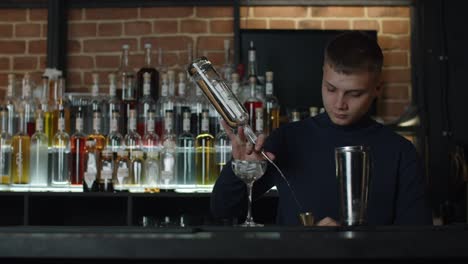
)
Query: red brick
[
  {"x": 74, "y": 78},
  {"x": 17, "y": 14},
  {"x": 75, "y": 14},
  {"x": 6, "y": 31},
  {"x": 221, "y": 26},
  {"x": 37, "y": 47},
  {"x": 395, "y": 27},
  {"x": 396, "y": 92},
  {"x": 282, "y": 24},
  {"x": 310, "y": 24},
  {"x": 194, "y": 26},
  {"x": 337, "y": 11},
  {"x": 366, "y": 25},
  {"x": 336, "y": 24},
  {"x": 42, "y": 62},
  {"x": 136, "y": 61},
  {"x": 13, "y": 46},
  {"x": 244, "y": 11},
  {"x": 216, "y": 11},
  {"x": 394, "y": 43},
  {"x": 110, "y": 29},
  {"x": 38, "y": 14},
  {"x": 103, "y": 80},
  {"x": 280, "y": 11},
  {"x": 165, "y": 26},
  {"x": 28, "y": 30},
  {"x": 211, "y": 43},
  {"x": 110, "y": 13},
  {"x": 77, "y": 30},
  {"x": 163, "y": 12},
  {"x": 396, "y": 58},
  {"x": 107, "y": 61},
  {"x": 24, "y": 63},
  {"x": 137, "y": 28},
  {"x": 170, "y": 59},
  {"x": 393, "y": 109},
  {"x": 74, "y": 46},
  {"x": 3, "y": 81},
  {"x": 217, "y": 58},
  {"x": 107, "y": 45},
  {"x": 253, "y": 24},
  {"x": 388, "y": 11},
  {"x": 168, "y": 43},
  {"x": 396, "y": 75},
  {"x": 5, "y": 64},
  {"x": 80, "y": 62}
]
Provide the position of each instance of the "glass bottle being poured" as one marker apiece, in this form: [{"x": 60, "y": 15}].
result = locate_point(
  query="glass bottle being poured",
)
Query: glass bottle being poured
[{"x": 226, "y": 104}]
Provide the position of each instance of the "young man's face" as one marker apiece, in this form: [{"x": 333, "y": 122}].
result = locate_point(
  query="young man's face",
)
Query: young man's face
[{"x": 348, "y": 97}]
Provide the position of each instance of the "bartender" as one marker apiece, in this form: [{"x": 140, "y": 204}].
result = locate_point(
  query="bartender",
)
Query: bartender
[{"x": 304, "y": 150}]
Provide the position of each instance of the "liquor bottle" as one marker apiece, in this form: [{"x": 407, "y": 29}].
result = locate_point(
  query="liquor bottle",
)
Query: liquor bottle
[
  {"x": 153, "y": 73},
  {"x": 185, "y": 158},
  {"x": 61, "y": 154},
  {"x": 96, "y": 104},
  {"x": 198, "y": 104},
  {"x": 39, "y": 154},
  {"x": 62, "y": 104},
  {"x": 145, "y": 104},
  {"x": 162, "y": 68},
  {"x": 125, "y": 71},
  {"x": 136, "y": 171},
  {"x": 122, "y": 170},
  {"x": 168, "y": 153},
  {"x": 259, "y": 121},
  {"x": 114, "y": 139},
  {"x": 28, "y": 105},
  {"x": 106, "y": 175},
  {"x": 165, "y": 103},
  {"x": 10, "y": 104},
  {"x": 113, "y": 104},
  {"x": 151, "y": 147},
  {"x": 96, "y": 134},
  {"x": 205, "y": 154},
  {"x": 223, "y": 149},
  {"x": 180, "y": 103},
  {"x": 132, "y": 139},
  {"x": 252, "y": 70},
  {"x": 252, "y": 103},
  {"x": 150, "y": 141},
  {"x": 47, "y": 111},
  {"x": 129, "y": 100},
  {"x": 271, "y": 105},
  {"x": 90, "y": 175},
  {"x": 20, "y": 153},
  {"x": 295, "y": 116},
  {"x": 227, "y": 68},
  {"x": 313, "y": 111},
  {"x": 78, "y": 151},
  {"x": 5, "y": 149}
]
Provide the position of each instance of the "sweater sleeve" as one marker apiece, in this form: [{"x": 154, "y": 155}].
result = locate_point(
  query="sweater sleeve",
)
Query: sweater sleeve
[
  {"x": 229, "y": 196},
  {"x": 411, "y": 204}
]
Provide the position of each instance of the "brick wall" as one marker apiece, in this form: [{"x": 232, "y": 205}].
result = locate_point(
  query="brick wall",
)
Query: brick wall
[
  {"x": 96, "y": 36},
  {"x": 23, "y": 44}
]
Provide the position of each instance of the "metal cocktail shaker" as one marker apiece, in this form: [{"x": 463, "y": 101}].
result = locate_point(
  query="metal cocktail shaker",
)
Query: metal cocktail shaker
[{"x": 352, "y": 172}]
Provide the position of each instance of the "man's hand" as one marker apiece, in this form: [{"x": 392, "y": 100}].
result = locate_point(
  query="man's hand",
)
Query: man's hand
[
  {"x": 327, "y": 221},
  {"x": 242, "y": 149}
]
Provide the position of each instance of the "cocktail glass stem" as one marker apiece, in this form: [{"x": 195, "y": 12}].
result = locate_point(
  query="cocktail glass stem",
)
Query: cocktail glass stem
[{"x": 249, "y": 219}]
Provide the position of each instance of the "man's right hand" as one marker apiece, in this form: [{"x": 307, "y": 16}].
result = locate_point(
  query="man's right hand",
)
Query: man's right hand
[{"x": 242, "y": 149}]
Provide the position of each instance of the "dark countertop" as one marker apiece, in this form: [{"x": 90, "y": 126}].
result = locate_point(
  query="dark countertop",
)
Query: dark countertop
[{"x": 215, "y": 243}]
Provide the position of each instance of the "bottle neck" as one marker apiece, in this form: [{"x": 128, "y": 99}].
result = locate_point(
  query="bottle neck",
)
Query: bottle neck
[
  {"x": 148, "y": 57},
  {"x": 39, "y": 124},
  {"x": 269, "y": 88},
  {"x": 97, "y": 125},
  {"x": 252, "y": 66}
]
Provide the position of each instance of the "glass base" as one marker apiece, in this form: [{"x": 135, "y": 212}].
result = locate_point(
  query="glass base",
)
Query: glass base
[{"x": 250, "y": 224}]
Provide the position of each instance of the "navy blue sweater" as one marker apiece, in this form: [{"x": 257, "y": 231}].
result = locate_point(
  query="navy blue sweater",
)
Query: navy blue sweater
[{"x": 305, "y": 153}]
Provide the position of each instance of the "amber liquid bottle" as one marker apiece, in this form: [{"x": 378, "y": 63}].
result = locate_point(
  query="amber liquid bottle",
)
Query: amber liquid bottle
[
  {"x": 20, "y": 154},
  {"x": 78, "y": 151},
  {"x": 206, "y": 173}
]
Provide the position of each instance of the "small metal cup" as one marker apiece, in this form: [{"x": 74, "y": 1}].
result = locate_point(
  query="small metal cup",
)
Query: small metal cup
[
  {"x": 352, "y": 172},
  {"x": 307, "y": 219}
]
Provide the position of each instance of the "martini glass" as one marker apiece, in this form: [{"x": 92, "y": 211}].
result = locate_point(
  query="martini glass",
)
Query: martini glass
[{"x": 249, "y": 171}]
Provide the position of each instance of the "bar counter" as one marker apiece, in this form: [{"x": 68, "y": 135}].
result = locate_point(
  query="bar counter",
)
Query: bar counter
[{"x": 30, "y": 244}]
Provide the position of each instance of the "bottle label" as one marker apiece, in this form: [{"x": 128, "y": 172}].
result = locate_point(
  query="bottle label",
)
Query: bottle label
[
  {"x": 113, "y": 125},
  {"x": 96, "y": 123},
  {"x": 251, "y": 55},
  {"x": 27, "y": 90},
  {"x": 39, "y": 124},
  {"x": 132, "y": 123},
  {"x": 79, "y": 124},
  {"x": 186, "y": 124},
  {"x": 168, "y": 123},
  {"x": 19, "y": 161},
  {"x": 95, "y": 90},
  {"x": 164, "y": 89},
  {"x": 269, "y": 88},
  {"x": 146, "y": 89},
  {"x": 181, "y": 89},
  {"x": 112, "y": 90},
  {"x": 205, "y": 124},
  {"x": 61, "y": 124},
  {"x": 150, "y": 125}
]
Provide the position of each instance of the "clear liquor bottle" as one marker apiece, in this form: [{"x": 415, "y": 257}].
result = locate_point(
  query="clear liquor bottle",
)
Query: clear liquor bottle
[
  {"x": 114, "y": 139},
  {"x": 78, "y": 151},
  {"x": 10, "y": 104},
  {"x": 168, "y": 154},
  {"x": 129, "y": 100},
  {"x": 5, "y": 149},
  {"x": 272, "y": 106},
  {"x": 125, "y": 71},
  {"x": 90, "y": 176},
  {"x": 136, "y": 171},
  {"x": 106, "y": 176},
  {"x": 205, "y": 154},
  {"x": 181, "y": 104},
  {"x": 154, "y": 74},
  {"x": 185, "y": 158},
  {"x": 132, "y": 139},
  {"x": 165, "y": 103},
  {"x": 39, "y": 154},
  {"x": 198, "y": 104},
  {"x": 259, "y": 121},
  {"x": 151, "y": 147},
  {"x": 223, "y": 149},
  {"x": 20, "y": 154},
  {"x": 62, "y": 104},
  {"x": 252, "y": 103},
  {"x": 113, "y": 104},
  {"x": 61, "y": 155},
  {"x": 145, "y": 105},
  {"x": 96, "y": 104},
  {"x": 122, "y": 170}
]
